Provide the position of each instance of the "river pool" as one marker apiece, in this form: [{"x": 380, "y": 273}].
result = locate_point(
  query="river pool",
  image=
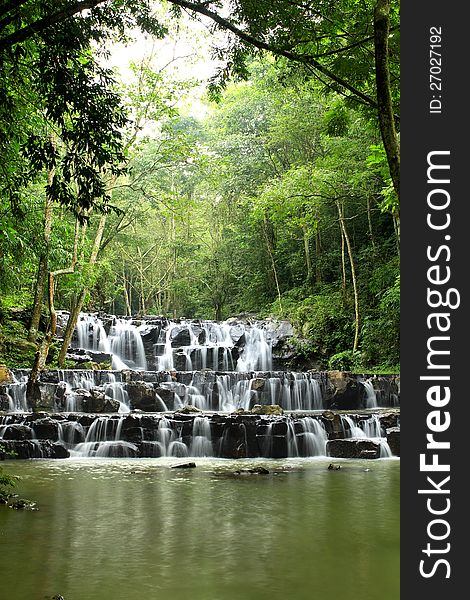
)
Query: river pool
[{"x": 134, "y": 529}]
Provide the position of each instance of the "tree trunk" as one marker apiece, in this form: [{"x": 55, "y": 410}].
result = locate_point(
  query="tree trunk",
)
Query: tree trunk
[
  {"x": 308, "y": 259},
  {"x": 43, "y": 265},
  {"x": 369, "y": 221},
  {"x": 269, "y": 245},
  {"x": 353, "y": 273},
  {"x": 384, "y": 96},
  {"x": 343, "y": 258},
  {"x": 396, "y": 226},
  {"x": 41, "y": 355},
  {"x": 126, "y": 295},
  {"x": 76, "y": 309},
  {"x": 318, "y": 273}
]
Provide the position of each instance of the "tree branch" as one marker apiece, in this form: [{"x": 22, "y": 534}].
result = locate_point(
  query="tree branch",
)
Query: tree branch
[
  {"x": 37, "y": 26},
  {"x": 260, "y": 44}
]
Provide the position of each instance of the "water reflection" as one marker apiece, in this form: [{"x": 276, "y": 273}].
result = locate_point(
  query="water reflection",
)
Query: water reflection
[{"x": 126, "y": 530}]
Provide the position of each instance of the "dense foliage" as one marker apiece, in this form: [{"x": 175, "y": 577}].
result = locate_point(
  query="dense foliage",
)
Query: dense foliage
[{"x": 279, "y": 201}]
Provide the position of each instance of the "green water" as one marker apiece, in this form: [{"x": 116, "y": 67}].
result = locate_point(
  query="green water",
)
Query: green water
[{"x": 135, "y": 529}]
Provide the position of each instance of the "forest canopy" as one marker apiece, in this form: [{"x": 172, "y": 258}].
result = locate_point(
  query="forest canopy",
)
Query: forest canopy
[{"x": 279, "y": 198}]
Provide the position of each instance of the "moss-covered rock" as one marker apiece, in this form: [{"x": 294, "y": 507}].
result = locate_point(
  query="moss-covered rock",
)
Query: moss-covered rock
[
  {"x": 266, "y": 409},
  {"x": 5, "y": 375}
]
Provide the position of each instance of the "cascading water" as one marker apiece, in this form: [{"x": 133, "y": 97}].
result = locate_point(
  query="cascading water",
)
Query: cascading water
[
  {"x": 201, "y": 444},
  {"x": 215, "y": 367},
  {"x": 91, "y": 333},
  {"x": 114, "y": 389},
  {"x": 369, "y": 428},
  {"x": 257, "y": 353},
  {"x": 371, "y": 397},
  {"x": 126, "y": 345},
  {"x": 16, "y": 394}
]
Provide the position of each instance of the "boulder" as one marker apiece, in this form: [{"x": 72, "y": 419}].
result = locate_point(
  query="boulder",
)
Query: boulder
[
  {"x": 43, "y": 396},
  {"x": 233, "y": 441},
  {"x": 35, "y": 449},
  {"x": 4, "y": 402},
  {"x": 254, "y": 471},
  {"x": 353, "y": 448},
  {"x": 134, "y": 435},
  {"x": 46, "y": 429},
  {"x": 188, "y": 465},
  {"x": 257, "y": 384},
  {"x": 167, "y": 396},
  {"x": 393, "y": 439},
  {"x": 96, "y": 401},
  {"x": 17, "y": 432},
  {"x": 344, "y": 391},
  {"x": 180, "y": 336},
  {"x": 142, "y": 396},
  {"x": 389, "y": 420}
]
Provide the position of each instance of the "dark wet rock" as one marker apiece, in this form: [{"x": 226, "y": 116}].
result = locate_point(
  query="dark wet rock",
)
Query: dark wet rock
[
  {"x": 279, "y": 428},
  {"x": 4, "y": 402},
  {"x": 389, "y": 420},
  {"x": 167, "y": 396},
  {"x": 35, "y": 449},
  {"x": 188, "y": 409},
  {"x": 96, "y": 401},
  {"x": 59, "y": 451},
  {"x": 81, "y": 357},
  {"x": 233, "y": 442},
  {"x": 134, "y": 435},
  {"x": 86, "y": 420},
  {"x": 353, "y": 448},
  {"x": 150, "y": 449},
  {"x": 46, "y": 429},
  {"x": 142, "y": 396},
  {"x": 344, "y": 391},
  {"x": 368, "y": 454},
  {"x": 258, "y": 384},
  {"x": 187, "y": 465},
  {"x": 43, "y": 396},
  {"x": 150, "y": 335},
  {"x": 279, "y": 447},
  {"x": 332, "y": 467},
  {"x": 387, "y": 389},
  {"x": 180, "y": 336},
  {"x": 253, "y": 471},
  {"x": 393, "y": 439},
  {"x": 22, "y": 504},
  {"x": 17, "y": 432}
]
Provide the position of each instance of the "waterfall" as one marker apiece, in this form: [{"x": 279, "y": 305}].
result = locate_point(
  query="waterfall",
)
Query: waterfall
[
  {"x": 165, "y": 360},
  {"x": 16, "y": 394},
  {"x": 350, "y": 429},
  {"x": 371, "y": 397},
  {"x": 115, "y": 390},
  {"x": 126, "y": 344},
  {"x": 222, "y": 367},
  {"x": 103, "y": 439},
  {"x": 315, "y": 437},
  {"x": 91, "y": 334},
  {"x": 201, "y": 444},
  {"x": 257, "y": 353}
]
